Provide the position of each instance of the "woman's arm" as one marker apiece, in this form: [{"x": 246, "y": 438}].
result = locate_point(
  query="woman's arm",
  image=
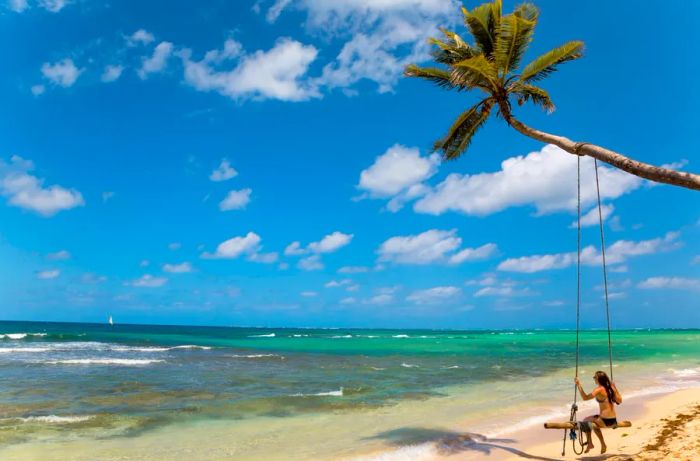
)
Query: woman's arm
[
  {"x": 584, "y": 396},
  {"x": 618, "y": 396}
]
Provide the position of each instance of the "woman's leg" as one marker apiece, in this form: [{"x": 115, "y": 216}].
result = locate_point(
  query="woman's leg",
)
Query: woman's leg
[
  {"x": 596, "y": 428},
  {"x": 589, "y": 442}
]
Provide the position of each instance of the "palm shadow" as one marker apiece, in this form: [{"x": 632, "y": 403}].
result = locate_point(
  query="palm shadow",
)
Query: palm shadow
[{"x": 451, "y": 442}]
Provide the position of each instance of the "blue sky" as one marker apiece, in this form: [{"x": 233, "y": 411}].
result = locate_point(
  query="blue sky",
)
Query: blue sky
[{"x": 264, "y": 163}]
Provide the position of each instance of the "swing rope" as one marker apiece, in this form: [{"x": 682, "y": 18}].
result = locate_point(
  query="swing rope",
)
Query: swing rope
[{"x": 574, "y": 406}]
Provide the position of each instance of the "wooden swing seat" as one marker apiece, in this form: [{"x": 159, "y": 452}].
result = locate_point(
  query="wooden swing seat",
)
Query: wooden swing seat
[{"x": 570, "y": 425}]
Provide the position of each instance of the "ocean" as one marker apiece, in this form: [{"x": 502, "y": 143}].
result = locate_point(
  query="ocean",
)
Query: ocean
[{"x": 100, "y": 392}]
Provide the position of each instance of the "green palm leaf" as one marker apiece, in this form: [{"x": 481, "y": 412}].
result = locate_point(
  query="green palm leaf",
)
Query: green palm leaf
[
  {"x": 475, "y": 72},
  {"x": 514, "y": 35},
  {"x": 440, "y": 77},
  {"x": 460, "y": 134},
  {"x": 525, "y": 92},
  {"x": 481, "y": 22},
  {"x": 544, "y": 65}
]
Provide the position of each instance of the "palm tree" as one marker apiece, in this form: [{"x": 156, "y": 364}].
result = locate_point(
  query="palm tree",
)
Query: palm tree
[{"x": 491, "y": 65}]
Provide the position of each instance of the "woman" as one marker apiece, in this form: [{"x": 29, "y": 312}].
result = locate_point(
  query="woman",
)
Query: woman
[{"x": 607, "y": 395}]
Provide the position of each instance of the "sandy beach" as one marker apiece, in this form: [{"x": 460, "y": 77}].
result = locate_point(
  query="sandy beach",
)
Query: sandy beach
[{"x": 665, "y": 426}]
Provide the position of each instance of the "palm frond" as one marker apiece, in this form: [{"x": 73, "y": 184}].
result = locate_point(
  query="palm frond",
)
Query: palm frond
[
  {"x": 527, "y": 11},
  {"x": 475, "y": 72},
  {"x": 514, "y": 35},
  {"x": 481, "y": 22},
  {"x": 460, "y": 134},
  {"x": 525, "y": 92},
  {"x": 440, "y": 77},
  {"x": 451, "y": 51},
  {"x": 544, "y": 65}
]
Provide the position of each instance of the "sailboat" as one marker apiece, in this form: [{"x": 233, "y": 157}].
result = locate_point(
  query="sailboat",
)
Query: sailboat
[{"x": 110, "y": 321}]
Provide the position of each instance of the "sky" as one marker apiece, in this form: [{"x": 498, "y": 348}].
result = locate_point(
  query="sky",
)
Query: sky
[{"x": 264, "y": 163}]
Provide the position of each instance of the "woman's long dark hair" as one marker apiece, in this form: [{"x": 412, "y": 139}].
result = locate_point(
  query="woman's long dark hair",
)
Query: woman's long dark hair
[{"x": 604, "y": 381}]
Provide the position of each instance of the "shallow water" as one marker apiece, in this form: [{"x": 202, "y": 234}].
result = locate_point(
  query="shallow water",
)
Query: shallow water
[{"x": 155, "y": 392}]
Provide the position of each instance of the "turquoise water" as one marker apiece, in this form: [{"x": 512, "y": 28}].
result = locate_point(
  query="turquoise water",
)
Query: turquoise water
[{"x": 84, "y": 380}]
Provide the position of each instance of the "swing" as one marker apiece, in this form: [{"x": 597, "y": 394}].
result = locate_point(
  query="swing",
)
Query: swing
[{"x": 573, "y": 425}]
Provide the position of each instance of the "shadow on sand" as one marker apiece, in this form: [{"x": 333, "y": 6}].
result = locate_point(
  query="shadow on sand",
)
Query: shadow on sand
[{"x": 450, "y": 443}]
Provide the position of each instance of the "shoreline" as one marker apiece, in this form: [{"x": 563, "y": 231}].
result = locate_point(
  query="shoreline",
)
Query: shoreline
[{"x": 659, "y": 425}]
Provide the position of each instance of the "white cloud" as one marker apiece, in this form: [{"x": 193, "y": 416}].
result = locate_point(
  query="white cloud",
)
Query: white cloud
[
  {"x": 432, "y": 246},
  {"x": 616, "y": 253},
  {"x": 276, "y": 9},
  {"x": 380, "y": 299},
  {"x": 141, "y": 36},
  {"x": 61, "y": 255},
  {"x": 294, "y": 249},
  {"x": 264, "y": 258},
  {"x": 38, "y": 90},
  {"x": 474, "y": 254},
  {"x": 236, "y": 246},
  {"x": 62, "y": 73},
  {"x": 337, "y": 283},
  {"x": 223, "y": 172},
  {"x": 592, "y": 218},
  {"x": 277, "y": 73},
  {"x": 544, "y": 179},
  {"x": 181, "y": 268},
  {"x": 434, "y": 295},
  {"x": 348, "y": 300},
  {"x": 505, "y": 291},
  {"x": 235, "y": 200},
  {"x": 18, "y": 5},
  {"x": 149, "y": 281},
  {"x": 310, "y": 263},
  {"x": 678, "y": 283},
  {"x": 330, "y": 243},
  {"x": 53, "y": 6},
  {"x": 27, "y": 191},
  {"x": 398, "y": 171},
  {"x": 112, "y": 73},
  {"x": 309, "y": 294},
  {"x": 48, "y": 274},
  {"x": 157, "y": 61},
  {"x": 353, "y": 269}
]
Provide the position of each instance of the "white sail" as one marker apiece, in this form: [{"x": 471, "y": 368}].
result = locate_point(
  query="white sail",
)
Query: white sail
[{"x": 111, "y": 322}]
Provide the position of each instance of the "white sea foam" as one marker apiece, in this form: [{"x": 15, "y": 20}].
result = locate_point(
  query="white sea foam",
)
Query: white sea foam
[
  {"x": 53, "y": 419},
  {"x": 377, "y": 368},
  {"x": 104, "y": 361},
  {"x": 452, "y": 367},
  {"x": 9, "y": 350},
  {"x": 271, "y": 335},
  {"x": 400, "y": 336},
  {"x": 686, "y": 372},
  {"x": 20, "y": 335},
  {"x": 338, "y": 393},
  {"x": 341, "y": 337},
  {"x": 254, "y": 356},
  {"x": 190, "y": 346},
  {"x": 299, "y": 336},
  {"x": 420, "y": 452},
  {"x": 408, "y": 365}
]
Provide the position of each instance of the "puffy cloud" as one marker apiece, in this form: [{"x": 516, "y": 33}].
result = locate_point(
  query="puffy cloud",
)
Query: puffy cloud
[
  {"x": 18, "y": 5},
  {"x": 62, "y": 73},
  {"x": 544, "y": 179},
  {"x": 61, "y": 255},
  {"x": 157, "y": 61},
  {"x": 277, "y": 73},
  {"x": 235, "y": 200},
  {"x": 223, "y": 172},
  {"x": 294, "y": 249},
  {"x": 353, "y": 269},
  {"x": 398, "y": 173},
  {"x": 276, "y": 9},
  {"x": 48, "y": 274},
  {"x": 616, "y": 253},
  {"x": 677, "y": 283},
  {"x": 330, "y": 243},
  {"x": 338, "y": 283},
  {"x": 27, "y": 191},
  {"x": 181, "y": 268},
  {"x": 38, "y": 90},
  {"x": 112, "y": 73},
  {"x": 149, "y": 281},
  {"x": 432, "y": 246},
  {"x": 141, "y": 36},
  {"x": 264, "y": 258},
  {"x": 380, "y": 299},
  {"x": 592, "y": 218},
  {"x": 236, "y": 246},
  {"x": 434, "y": 295},
  {"x": 53, "y": 6},
  {"x": 310, "y": 263}
]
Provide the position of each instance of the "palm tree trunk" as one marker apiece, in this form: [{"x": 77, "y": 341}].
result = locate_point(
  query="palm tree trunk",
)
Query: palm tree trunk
[{"x": 643, "y": 170}]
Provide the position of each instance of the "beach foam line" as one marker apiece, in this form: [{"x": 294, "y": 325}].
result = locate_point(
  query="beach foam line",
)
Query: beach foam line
[
  {"x": 408, "y": 365},
  {"x": 400, "y": 336},
  {"x": 420, "y": 452},
  {"x": 121, "y": 362},
  {"x": 341, "y": 337},
  {"x": 9, "y": 350},
  {"x": 255, "y": 356},
  {"x": 338, "y": 393},
  {"x": 53, "y": 419},
  {"x": 190, "y": 346},
  {"x": 20, "y": 335},
  {"x": 270, "y": 335}
]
